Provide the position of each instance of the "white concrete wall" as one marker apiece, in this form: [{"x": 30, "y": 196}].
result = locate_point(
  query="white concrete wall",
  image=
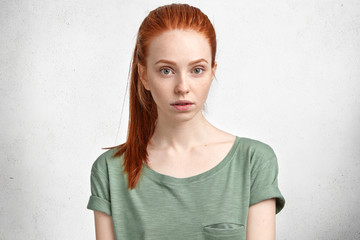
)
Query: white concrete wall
[{"x": 288, "y": 74}]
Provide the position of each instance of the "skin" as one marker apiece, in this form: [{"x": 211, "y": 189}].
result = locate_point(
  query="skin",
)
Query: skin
[
  {"x": 179, "y": 132},
  {"x": 104, "y": 229},
  {"x": 178, "y": 67},
  {"x": 261, "y": 221}
]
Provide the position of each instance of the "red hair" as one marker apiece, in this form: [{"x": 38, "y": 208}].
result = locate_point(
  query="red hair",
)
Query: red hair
[{"x": 143, "y": 111}]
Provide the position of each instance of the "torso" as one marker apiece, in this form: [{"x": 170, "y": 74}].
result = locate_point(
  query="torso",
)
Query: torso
[{"x": 197, "y": 161}]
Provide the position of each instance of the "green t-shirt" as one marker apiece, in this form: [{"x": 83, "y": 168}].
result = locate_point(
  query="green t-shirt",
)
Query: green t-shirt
[{"x": 211, "y": 205}]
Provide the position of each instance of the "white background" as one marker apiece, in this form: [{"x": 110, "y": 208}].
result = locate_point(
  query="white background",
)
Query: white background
[{"x": 288, "y": 75}]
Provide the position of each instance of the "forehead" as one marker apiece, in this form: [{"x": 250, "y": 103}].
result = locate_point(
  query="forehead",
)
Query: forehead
[{"x": 179, "y": 46}]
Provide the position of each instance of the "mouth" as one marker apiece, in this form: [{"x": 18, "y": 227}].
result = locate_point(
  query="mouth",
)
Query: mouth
[
  {"x": 182, "y": 107},
  {"x": 182, "y": 103}
]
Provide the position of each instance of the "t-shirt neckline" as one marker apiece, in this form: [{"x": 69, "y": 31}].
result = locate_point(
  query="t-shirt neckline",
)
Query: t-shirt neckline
[{"x": 166, "y": 179}]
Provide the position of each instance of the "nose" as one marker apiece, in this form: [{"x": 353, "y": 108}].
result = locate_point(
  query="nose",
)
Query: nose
[{"x": 182, "y": 84}]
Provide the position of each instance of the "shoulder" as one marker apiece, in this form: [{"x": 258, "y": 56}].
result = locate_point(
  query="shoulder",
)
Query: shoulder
[
  {"x": 101, "y": 163},
  {"x": 256, "y": 146},
  {"x": 256, "y": 149}
]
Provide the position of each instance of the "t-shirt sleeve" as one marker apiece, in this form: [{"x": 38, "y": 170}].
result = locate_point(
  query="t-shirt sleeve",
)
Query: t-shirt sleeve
[
  {"x": 264, "y": 177},
  {"x": 100, "y": 188}
]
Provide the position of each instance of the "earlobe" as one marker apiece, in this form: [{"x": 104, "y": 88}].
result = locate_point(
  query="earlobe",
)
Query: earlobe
[{"x": 142, "y": 76}]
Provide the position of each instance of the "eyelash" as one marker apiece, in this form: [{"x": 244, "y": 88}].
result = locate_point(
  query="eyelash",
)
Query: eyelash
[
  {"x": 202, "y": 70},
  {"x": 161, "y": 70},
  {"x": 166, "y": 68}
]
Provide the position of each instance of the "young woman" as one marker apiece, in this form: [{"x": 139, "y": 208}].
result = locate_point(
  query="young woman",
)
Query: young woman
[{"x": 177, "y": 176}]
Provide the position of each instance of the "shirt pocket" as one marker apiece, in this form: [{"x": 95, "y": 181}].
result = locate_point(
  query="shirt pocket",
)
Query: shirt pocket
[{"x": 224, "y": 231}]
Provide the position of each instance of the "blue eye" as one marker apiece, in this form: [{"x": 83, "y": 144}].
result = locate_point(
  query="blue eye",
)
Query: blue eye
[
  {"x": 198, "y": 70},
  {"x": 165, "y": 71}
]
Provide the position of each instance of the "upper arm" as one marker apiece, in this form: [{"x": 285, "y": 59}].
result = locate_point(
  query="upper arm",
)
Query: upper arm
[
  {"x": 100, "y": 200},
  {"x": 104, "y": 228},
  {"x": 264, "y": 177},
  {"x": 261, "y": 221}
]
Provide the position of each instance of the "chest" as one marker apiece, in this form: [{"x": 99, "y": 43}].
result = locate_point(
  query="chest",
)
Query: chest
[
  {"x": 187, "y": 164},
  {"x": 186, "y": 210}
]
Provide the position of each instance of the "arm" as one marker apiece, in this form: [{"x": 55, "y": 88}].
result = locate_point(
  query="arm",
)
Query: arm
[
  {"x": 261, "y": 221},
  {"x": 103, "y": 226}
]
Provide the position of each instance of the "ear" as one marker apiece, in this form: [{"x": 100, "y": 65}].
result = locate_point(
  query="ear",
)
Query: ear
[
  {"x": 142, "y": 76},
  {"x": 213, "y": 70}
]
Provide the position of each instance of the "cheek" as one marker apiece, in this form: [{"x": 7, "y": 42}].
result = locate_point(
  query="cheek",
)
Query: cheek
[
  {"x": 158, "y": 92},
  {"x": 204, "y": 88},
  {"x": 205, "y": 94}
]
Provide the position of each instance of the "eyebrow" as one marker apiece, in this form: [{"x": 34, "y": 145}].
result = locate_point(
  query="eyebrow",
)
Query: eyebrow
[{"x": 173, "y": 63}]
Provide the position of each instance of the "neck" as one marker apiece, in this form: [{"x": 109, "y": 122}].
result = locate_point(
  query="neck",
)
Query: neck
[{"x": 181, "y": 135}]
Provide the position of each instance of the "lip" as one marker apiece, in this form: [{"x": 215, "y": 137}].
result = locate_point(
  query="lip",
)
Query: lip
[
  {"x": 182, "y": 102},
  {"x": 181, "y": 108}
]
